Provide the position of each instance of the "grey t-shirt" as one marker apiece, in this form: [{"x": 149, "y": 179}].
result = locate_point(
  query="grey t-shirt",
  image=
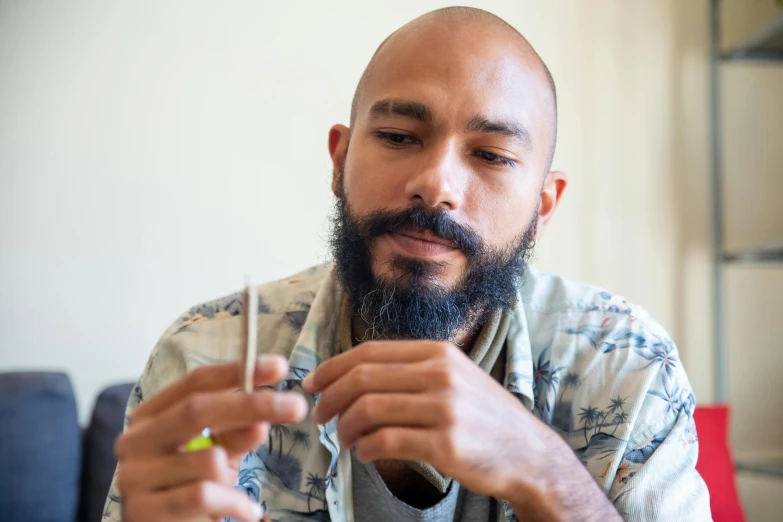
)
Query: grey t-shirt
[{"x": 372, "y": 501}]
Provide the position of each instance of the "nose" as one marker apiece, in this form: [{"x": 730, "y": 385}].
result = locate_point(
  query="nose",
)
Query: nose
[{"x": 440, "y": 182}]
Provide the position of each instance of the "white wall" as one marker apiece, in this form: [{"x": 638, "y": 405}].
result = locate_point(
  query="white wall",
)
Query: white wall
[{"x": 153, "y": 153}]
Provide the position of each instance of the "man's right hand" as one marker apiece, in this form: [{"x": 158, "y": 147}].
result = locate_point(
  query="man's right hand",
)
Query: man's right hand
[{"x": 159, "y": 481}]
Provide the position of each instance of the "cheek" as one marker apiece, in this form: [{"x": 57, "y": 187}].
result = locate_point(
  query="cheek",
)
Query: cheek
[
  {"x": 371, "y": 183},
  {"x": 500, "y": 216}
]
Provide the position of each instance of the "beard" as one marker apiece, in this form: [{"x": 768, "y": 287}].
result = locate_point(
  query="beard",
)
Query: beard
[{"x": 410, "y": 302}]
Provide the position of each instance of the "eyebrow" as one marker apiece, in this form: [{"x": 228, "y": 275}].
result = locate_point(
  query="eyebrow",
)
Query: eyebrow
[
  {"x": 509, "y": 128},
  {"x": 420, "y": 112},
  {"x": 405, "y": 108}
]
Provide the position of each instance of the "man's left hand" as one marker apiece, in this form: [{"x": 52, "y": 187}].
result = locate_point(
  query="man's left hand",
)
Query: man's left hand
[{"x": 427, "y": 401}]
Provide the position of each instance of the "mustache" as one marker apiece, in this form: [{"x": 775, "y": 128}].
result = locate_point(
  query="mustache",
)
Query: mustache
[{"x": 419, "y": 218}]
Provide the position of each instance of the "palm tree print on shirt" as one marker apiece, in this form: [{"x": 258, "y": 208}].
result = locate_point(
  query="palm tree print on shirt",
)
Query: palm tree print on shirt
[
  {"x": 614, "y": 406},
  {"x": 286, "y": 467},
  {"x": 279, "y": 430},
  {"x": 619, "y": 418},
  {"x": 317, "y": 487},
  {"x": 546, "y": 380},
  {"x": 570, "y": 380},
  {"x": 588, "y": 417},
  {"x": 595, "y": 419},
  {"x": 299, "y": 438}
]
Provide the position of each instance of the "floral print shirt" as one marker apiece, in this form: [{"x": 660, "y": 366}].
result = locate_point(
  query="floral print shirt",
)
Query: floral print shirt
[{"x": 598, "y": 370}]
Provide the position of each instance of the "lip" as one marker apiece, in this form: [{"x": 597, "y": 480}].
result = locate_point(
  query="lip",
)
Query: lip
[
  {"x": 421, "y": 244},
  {"x": 428, "y": 236}
]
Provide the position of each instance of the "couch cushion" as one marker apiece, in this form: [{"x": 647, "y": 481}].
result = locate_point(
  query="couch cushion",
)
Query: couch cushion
[
  {"x": 98, "y": 461},
  {"x": 40, "y": 447}
]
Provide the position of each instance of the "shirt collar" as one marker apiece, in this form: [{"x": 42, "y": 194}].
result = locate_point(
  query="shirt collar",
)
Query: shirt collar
[
  {"x": 519, "y": 357},
  {"x": 319, "y": 341}
]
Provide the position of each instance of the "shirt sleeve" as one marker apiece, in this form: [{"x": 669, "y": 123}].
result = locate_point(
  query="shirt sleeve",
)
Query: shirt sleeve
[{"x": 657, "y": 480}]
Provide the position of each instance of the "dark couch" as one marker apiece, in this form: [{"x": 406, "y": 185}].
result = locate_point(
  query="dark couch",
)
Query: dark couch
[{"x": 52, "y": 470}]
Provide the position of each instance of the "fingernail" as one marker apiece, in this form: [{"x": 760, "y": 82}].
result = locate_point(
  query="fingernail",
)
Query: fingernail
[
  {"x": 286, "y": 403},
  {"x": 258, "y": 511}
]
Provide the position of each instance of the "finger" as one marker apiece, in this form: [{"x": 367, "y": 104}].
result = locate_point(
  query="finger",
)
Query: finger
[
  {"x": 174, "y": 470},
  {"x": 371, "y": 352},
  {"x": 241, "y": 441},
  {"x": 193, "y": 500},
  {"x": 378, "y": 378},
  {"x": 269, "y": 369},
  {"x": 376, "y": 411},
  {"x": 396, "y": 443},
  {"x": 221, "y": 412}
]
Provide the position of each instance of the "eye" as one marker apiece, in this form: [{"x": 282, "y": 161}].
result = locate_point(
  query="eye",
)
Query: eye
[
  {"x": 395, "y": 138},
  {"x": 495, "y": 158}
]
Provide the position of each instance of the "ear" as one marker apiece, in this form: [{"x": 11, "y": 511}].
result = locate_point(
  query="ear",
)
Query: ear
[
  {"x": 555, "y": 184},
  {"x": 338, "y": 149}
]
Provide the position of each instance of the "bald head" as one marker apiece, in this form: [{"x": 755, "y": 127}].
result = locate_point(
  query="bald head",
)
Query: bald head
[
  {"x": 469, "y": 27},
  {"x": 454, "y": 118}
]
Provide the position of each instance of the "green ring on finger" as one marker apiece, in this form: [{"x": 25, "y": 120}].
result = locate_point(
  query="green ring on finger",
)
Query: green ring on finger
[{"x": 201, "y": 442}]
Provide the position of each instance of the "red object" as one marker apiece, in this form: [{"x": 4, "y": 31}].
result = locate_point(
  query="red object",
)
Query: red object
[{"x": 716, "y": 464}]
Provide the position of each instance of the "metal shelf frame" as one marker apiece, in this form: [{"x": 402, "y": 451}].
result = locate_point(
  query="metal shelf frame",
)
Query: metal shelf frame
[
  {"x": 769, "y": 253},
  {"x": 765, "y": 45},
  {"x": 760, "y": 468}
]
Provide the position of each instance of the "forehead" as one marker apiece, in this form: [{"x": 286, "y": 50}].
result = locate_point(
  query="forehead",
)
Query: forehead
[{"x": 459, "y": 73}]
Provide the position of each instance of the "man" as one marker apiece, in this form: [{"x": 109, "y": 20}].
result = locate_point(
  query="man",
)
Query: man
[{"x": 447, "y": 380}]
